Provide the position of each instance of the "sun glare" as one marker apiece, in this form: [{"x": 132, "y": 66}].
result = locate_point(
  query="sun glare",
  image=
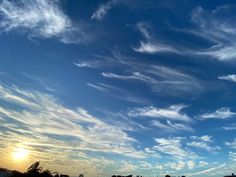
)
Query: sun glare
[{"x": 20, "y": 154}]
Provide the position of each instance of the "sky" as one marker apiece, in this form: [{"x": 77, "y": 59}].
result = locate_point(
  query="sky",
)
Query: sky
[{"x": 106, "y": 87}]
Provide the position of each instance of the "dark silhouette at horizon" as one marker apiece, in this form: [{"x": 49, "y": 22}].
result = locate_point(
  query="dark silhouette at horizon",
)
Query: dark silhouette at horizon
[{"x": 36, "y": 171}]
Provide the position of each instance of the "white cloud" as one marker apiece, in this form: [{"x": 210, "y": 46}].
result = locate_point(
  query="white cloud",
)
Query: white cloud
[
  {"x": 231, "y": 144},
  {"x": 191, "y": 164},
  {"x": 222, "y": 113},
  {"x": 134, "y": 76},
  {"x": 98, "y": 87},
  {"x": 180, "y": 165},
  {"x": 39, "y": 18},
  {"x": 204, "y": 138},
  {"x": 203, "y": 163},
  {"x": 203, "y": 142},
  {"x": 172, "y": 147},
  {"x": 230, "y": 77},
  {"x": 203, "y": 145},
  {"x": 127, "y": 167},
  {"x": 210, "y": 171},
  {"x": 218, "y": 30},
  {"x": 173, "y": 112},
  {"x": 171, "y": 127},
  {"x": 154, "y": 47},
  {"x": 231, "y": 127},
  {"x": 160, "y": 79},
  {"x": 151, "y": 45},
  {"x": 232, "y": 156},
  {"x": 117, "y": 93},
  {"x": 100, "y": 13}
]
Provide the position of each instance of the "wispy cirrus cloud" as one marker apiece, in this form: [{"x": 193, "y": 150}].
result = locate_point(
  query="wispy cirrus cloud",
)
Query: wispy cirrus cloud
[
  {"x": 217, "y": 29},
  {"x": 159, "y": 78},
  {"x": 162, "y": 80},
  {"x": 231, "y": 144},
  {"x": 171, "y": 127},
  {"x": 173, "y": 112},
  {"x": 203, "y": 142},
  {"x": 232, "y": 126},
  {"x": 98, "y": 87},
  {"x": 173, "y": 147},
  {"x": 232, "y": 155},
  {"x": 40, "y": 18},
  {"x": 133, "y": 76},
  {"x": 150, "y": 44},
  {"x": 103, "y": 9},
  {"x": 230, "y": 77},
  {"x": 42, "y": 121},
  {"x": 221, "y": 113},
  {"x": 118, "y": 93}
]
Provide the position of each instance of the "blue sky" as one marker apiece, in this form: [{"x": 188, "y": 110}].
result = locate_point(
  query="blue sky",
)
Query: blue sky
[{"x": 119, "y": 87}]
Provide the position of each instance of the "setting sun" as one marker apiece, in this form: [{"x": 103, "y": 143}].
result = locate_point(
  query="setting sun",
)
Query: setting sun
[{"x": 20, "y": 154}]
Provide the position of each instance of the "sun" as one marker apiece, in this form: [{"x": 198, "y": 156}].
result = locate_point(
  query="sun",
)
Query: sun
[{"x": 20, "y": 154}]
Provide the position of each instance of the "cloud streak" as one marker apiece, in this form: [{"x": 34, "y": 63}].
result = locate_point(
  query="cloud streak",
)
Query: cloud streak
[
  {"x": 173, "y": 112},
  {"x": 171, "y": 127},
  {"x": 150, "y": 45},
  {"x": 103, "y": 9},
  {"x": 203, "y": 142},
  {"x": 230, "y": 77},
  {"x": 172, "y": 147},
  {"x": 221, "y": 113},
  {"x": 218, "y": 30}
]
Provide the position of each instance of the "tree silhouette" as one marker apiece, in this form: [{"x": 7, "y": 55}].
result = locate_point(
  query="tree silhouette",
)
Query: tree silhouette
[{"x": 36, "y": 171}]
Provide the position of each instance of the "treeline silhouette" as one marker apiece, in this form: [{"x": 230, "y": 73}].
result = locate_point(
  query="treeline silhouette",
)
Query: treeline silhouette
[{"x": 36, "y": 171}]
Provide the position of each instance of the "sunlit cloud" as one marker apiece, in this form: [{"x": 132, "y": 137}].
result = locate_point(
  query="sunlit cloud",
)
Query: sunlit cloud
[{"x": 44, "y": 122}]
